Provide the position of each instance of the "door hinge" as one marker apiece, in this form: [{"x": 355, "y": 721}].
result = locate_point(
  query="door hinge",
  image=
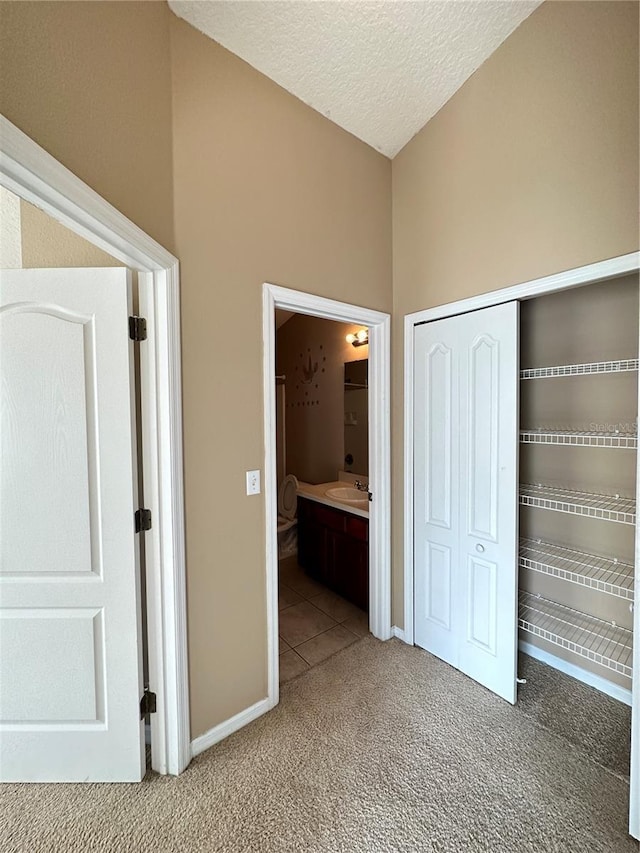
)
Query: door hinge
[
  {"x": 147, "y": 704},
  {"x": 137, "y": 328},
  {"x": 143, "y": 519}
]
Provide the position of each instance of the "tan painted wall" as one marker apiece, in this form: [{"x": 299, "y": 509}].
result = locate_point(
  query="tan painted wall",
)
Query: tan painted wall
[
  {"x": 530, "y": 169},
  {"x": 47, "y": 243},
  {"x": 10, "y": 231},
  {"x": 265, "y": 190},
  {"x": 315, "y": 429},
  {"x": 91, "y": 83}
]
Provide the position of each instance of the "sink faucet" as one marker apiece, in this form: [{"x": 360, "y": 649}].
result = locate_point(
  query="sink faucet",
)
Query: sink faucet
[{"x": 362, "y": 487}]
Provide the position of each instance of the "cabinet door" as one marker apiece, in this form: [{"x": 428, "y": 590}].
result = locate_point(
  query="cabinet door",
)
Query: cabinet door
[
  {"x": 357, "y": 551},
  {"x": 356, "y": 584},
  {"x": 312, "y": 544},
  {"x": 465, "y": 500},
  {"x": 336, "y": 565},
  {"x": 333, "y": 547}
]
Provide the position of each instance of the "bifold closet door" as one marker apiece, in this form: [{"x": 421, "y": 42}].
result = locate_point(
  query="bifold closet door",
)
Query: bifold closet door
[{"x": 465, "y": 498}]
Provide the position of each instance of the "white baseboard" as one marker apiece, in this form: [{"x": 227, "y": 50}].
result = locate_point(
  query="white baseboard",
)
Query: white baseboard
[
  {"x": 622, "y": 694},
  {"x": 399, "y": 633},
  {"x": 223, "y": 730}
]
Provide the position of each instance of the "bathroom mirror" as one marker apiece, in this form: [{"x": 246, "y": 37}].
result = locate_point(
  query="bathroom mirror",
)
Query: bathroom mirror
[{"x": 356, "y": 416}]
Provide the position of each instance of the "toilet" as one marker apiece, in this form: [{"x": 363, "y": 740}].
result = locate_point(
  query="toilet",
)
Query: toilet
[{"x": 287, "y": 521}]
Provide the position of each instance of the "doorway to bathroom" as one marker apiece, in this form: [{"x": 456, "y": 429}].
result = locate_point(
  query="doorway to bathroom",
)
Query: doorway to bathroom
[
  {"x": 323, "y": 488},
  {"x": 327, "y": 490}
]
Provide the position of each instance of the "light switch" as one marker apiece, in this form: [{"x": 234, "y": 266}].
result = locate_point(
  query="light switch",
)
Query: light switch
[{"x": 253, "y": 482}]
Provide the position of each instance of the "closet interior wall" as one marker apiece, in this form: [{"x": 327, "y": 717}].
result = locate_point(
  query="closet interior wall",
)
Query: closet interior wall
[{"x": 578, "y": 435}]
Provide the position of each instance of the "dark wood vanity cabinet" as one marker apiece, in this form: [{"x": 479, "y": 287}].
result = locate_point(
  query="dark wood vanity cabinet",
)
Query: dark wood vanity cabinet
[{"x": 333, "y": 548}]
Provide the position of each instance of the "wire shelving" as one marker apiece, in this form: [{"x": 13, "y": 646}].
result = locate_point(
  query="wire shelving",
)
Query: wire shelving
[
  {"x": 604, "y": 574},
  {"x": 577, "y": 438},
  {"x": 604, "y": 507},
  {"x": 621, "y": 366},
  {"x": 601, "y": 642}
]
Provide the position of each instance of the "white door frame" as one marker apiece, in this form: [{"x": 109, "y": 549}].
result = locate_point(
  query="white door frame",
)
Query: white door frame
[
  {"x": 590, "y": 274},
  {"x": 29, "y": 172},
  {"x": 378, "y": 324}
]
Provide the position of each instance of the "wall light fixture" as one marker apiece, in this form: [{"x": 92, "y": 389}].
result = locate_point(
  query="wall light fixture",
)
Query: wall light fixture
[{"x": 359, "y": 339}]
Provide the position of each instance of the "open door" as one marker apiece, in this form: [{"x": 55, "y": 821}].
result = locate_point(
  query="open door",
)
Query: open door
[
  {"x": 70, "y": 669},
  {"x": 465, "y": 501}
]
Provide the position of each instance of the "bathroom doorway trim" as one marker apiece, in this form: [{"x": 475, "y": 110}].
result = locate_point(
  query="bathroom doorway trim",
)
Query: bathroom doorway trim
[
  {"x": 379, "y": 325},
  {"x": 32, "y": 174}
]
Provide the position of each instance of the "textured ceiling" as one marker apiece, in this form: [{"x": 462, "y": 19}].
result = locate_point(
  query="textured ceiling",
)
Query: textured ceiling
[{"x": 380, "y": 70}]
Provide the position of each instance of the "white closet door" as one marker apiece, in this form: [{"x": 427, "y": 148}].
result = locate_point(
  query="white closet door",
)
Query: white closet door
[
  {"x": 70, "y": 668},
  {"x": 436, "y": 498},
  {"x": 465, "y": 502}
]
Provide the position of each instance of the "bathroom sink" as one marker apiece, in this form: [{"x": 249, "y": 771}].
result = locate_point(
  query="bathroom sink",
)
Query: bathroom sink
[{"x": 348, "y": 495}]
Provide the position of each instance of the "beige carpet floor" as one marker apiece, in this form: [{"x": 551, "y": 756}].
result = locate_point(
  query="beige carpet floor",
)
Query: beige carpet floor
[
  {"x": 380, "y": 748},
  {"x": 594, "y": 723}
]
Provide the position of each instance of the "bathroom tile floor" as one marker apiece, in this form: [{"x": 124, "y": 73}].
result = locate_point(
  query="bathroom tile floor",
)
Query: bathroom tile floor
[{"x": 315, "y": 623}]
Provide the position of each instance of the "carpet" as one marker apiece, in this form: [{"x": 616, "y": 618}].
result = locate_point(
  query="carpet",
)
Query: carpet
[
  {"x": 381, "y": 748},
  {"x": 593, "y": 722}
]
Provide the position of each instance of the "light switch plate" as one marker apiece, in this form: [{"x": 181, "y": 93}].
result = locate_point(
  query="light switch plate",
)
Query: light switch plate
[{"x": 253, "y": 482}]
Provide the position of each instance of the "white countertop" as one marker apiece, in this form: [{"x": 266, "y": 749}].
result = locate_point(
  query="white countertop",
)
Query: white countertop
[{"x": 317, "y": 493}]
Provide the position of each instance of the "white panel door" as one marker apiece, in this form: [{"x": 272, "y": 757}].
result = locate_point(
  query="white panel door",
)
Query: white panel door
[
  {"x": 70, "y": 649},
  {"x": 466, "y": 463},
  {"x": 436, "y": 498}
]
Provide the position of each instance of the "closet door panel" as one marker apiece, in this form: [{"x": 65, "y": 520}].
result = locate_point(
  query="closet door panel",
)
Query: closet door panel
[
  {"x": 482, "y": 588},
  {"x": 489, "y": 466},
  {"x": 465, "y": 502},
  {"x": 439, "y": 376},
  {"x": 437, "y": 606},
  {"x": 482, "y": 438},
  {"x": 436, "y": 501}
]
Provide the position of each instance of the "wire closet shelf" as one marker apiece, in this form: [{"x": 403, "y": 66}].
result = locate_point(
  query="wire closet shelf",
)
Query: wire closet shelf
[
  {"x": 604, "y": 574},
  {"x": 578, "y": 438},
  {"x": 595, "y": 367},
  {"x": 598, "y": 641},
  {"x": 603, "y": 507}
]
